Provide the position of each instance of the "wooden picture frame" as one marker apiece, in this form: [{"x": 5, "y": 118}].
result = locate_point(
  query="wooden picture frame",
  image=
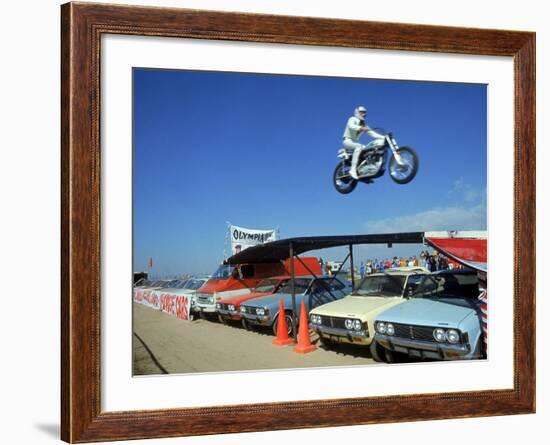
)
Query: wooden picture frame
[{"x": 82, "y": 26}]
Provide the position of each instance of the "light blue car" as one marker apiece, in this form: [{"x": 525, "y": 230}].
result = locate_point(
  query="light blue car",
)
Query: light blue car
[
  {"x": 313, "y": 291},
  {"x": 441, "y": 320}
]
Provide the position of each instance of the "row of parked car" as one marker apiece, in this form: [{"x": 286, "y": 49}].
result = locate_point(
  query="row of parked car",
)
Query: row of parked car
[{"x": 398, "y": 313}]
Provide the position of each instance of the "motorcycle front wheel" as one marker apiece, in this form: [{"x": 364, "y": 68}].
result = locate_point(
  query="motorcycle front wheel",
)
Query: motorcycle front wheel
[
  {"x": 343, "y": 182},
  {"x": 403, "y": 174}
]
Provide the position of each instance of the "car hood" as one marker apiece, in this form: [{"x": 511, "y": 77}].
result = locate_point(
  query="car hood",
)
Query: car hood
[
  {"x": 242, "y": 298},
  {"x": 273, "y": 299},
  {"x": 355, "y": 307},
  {"x": 427, "y": 312}
]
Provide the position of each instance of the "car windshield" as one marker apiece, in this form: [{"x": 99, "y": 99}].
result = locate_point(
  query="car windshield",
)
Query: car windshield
[
  {"x": 267, "y": 286},
  {"x": 223, "y": 272},
  {"x": 181, "y": 284},
  {"x": 193, "y": 284},
  {"x": 300, "y": 286},
  {"x": 387, "y": 285},
  {"x": 329, "y": 284},
  {"x": 448, "y": 285}
]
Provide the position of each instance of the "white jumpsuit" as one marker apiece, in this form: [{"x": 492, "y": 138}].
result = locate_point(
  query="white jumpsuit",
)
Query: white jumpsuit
[{"x": 351, "y": 135}]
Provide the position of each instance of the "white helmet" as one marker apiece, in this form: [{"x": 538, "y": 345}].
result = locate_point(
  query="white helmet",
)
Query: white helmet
[{"x": 358, "y": 110}]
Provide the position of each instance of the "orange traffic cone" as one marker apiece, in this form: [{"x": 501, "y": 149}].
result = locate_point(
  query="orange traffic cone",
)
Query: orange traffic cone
[
  {"x": 282, "y": 329},
  {"x": 304, "y": 345}
]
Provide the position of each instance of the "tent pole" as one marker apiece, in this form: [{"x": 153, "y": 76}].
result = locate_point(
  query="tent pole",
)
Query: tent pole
[
  {"x": 351, "y": 266},
  {"x": 293, "y": 291}
]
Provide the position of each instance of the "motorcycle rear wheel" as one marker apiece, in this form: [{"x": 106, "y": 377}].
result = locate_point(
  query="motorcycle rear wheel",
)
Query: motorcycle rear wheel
[
  {"x": 341, "y": 179},
  {"x": 404, "y": 175}
]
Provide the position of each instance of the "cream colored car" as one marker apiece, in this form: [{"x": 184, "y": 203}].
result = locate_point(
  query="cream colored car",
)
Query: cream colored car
[{"x": 351, "y": 319}]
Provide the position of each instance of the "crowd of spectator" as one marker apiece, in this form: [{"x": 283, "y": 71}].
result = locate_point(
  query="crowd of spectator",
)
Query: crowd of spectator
[{"x": 433, "y": 261}]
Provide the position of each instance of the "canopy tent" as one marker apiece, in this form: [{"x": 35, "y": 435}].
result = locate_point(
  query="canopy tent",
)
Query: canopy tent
[
  {"x": 291, "y": 248},
  {"x": 279, "y": 250}
]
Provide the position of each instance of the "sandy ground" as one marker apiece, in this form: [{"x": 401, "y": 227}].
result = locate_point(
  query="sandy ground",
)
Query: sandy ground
[{"x": 163, "y": 344}]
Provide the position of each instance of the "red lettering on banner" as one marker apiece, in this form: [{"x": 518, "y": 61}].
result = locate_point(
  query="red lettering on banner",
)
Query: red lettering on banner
[
  {"x": 168, "y": 303},
  {"x": 147, "y": 296},
  {"x": 138, "y": 295},
  {"x": 181, "y": 307}
]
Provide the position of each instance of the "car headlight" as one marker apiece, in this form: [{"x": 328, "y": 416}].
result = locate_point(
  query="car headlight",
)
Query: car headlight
[
  {"x": 381, "y": 327},
  {"x": 348, "y": 324},
  {"x": 231, "y": 307},
  {"x": 260, "y": 311},
  {"x": 390, "y": 329},
  {"x": 316, "y": 319},
  {"x": 243, "y": 308},
  {"x": 440, "y": 335},
  {"x": 218, "y": 306},
  {"x": 453, "y": 336},
  {"x": 357, "y": 325}
]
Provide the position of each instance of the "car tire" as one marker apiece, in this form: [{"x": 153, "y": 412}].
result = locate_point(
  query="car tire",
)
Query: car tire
[
  {"x": 221, "y": 319},
  {"x": 390, "y": 356},
  {"x": 245, "y": 324},
  {"x": 378, "y": 352},
  {"x": 288, "y": 317},
  {"x": 479, "y": 352}
]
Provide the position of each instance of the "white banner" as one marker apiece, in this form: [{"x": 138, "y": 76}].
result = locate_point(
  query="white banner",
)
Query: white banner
[
  {"x": 171, "y": 303},
  {"x": 242, "y": 238}
]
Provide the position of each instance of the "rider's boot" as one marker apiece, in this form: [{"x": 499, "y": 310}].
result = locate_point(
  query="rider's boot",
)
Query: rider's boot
[{"x": 354, "y": 159}]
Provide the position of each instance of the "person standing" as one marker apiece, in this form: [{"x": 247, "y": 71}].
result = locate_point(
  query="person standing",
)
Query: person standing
[
  {"x": 431, "y": 263},
  {"x": 362, "y": 270},
  {"x": 422, "y": 259}
]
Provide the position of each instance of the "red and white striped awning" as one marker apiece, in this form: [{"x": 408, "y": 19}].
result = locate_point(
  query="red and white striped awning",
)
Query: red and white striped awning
[{"x": 468, "y": 248}]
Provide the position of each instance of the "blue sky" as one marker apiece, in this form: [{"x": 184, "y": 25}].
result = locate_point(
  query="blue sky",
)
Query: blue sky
[{"x": 259, "y": 150}]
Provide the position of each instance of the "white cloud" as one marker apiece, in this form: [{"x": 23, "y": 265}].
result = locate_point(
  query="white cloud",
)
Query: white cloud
[
  {"x": 458, "y": 184},
  {"x": 465, "y": 191},
  {"x": 440, "y": 218},
  {"x": 471, "y": 194}
]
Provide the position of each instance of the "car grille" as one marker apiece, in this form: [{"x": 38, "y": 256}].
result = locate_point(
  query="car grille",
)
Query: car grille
[
  {"x": 248, "y": 310},
  {"x": 223, "y": 306},
  {"x": 333, "y": 322},
  {"x": 423, "y": 333},
  {"x": 204, "y": 298}
]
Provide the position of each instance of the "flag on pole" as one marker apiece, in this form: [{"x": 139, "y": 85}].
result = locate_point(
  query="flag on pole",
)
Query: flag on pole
[{"x": 242, "y": 238}]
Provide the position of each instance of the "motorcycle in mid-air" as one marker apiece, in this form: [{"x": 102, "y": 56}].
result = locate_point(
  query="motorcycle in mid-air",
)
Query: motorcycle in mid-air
[{"x": 403, "y": 163}]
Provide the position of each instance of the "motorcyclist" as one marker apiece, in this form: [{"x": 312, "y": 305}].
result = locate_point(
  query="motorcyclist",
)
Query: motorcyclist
[{"x": 355, "y": 127}]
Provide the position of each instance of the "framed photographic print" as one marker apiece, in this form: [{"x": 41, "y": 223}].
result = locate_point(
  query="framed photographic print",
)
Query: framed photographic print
[{"x": 275, "y": 222}]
